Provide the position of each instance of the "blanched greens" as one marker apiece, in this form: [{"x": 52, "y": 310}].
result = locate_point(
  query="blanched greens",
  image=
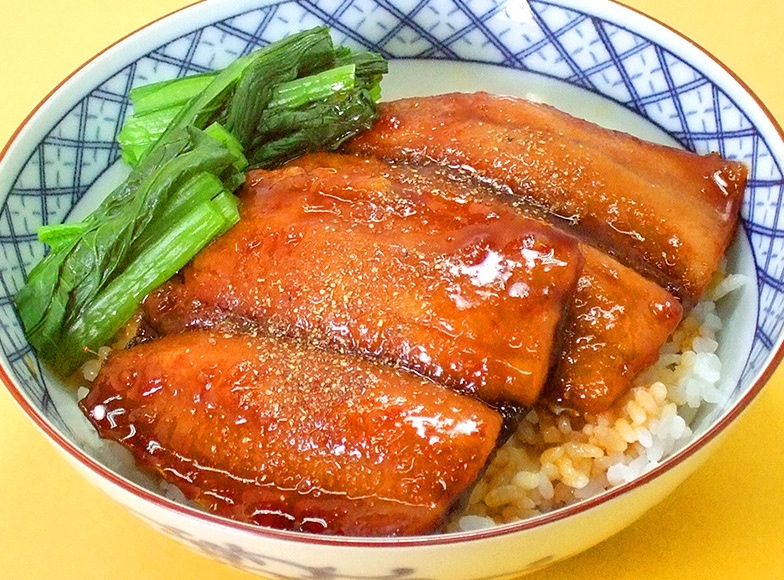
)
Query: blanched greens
[
  {"x": 188, "y": 142},
  {"x": 302, "y": 74},
  {"x": 84, "y": 261}
]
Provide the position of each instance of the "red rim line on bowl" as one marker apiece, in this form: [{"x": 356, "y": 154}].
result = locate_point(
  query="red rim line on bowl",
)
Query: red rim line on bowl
[{"x": 774, "y": 359}]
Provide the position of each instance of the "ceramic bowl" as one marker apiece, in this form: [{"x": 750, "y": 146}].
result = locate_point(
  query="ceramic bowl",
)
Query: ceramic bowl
[{"x": 594, "y": 58}]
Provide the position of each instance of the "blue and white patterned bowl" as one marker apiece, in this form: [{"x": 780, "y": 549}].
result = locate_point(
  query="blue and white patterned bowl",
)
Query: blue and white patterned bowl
[{"x": 594, "y": 58}]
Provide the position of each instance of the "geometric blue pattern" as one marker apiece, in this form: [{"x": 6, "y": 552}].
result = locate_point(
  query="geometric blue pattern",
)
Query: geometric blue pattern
[{"x": 693, "y": 103}]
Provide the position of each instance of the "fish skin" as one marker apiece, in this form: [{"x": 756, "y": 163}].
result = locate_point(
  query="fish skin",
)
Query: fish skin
[
  {"x": 616, "y": 326},
  {"x": 613, "y": 327},
  {"x": 275, "y": 433},
  {"x": 362, "y": 256},
  {"x": 668, "y": 213}
]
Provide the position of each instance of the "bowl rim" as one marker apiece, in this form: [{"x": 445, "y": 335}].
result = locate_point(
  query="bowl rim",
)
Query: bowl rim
[{"x": 603, "y": 7}]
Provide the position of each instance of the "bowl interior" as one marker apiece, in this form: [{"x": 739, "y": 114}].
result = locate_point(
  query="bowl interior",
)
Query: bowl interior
[{"x": 594, "y": 61}]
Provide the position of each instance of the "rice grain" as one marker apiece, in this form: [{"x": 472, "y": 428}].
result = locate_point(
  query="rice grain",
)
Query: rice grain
[{"x": 555, "y": 458}]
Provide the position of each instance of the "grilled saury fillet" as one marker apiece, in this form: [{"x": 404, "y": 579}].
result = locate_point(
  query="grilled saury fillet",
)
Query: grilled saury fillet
[
  {"x": 366, "y": 257},
  {"x": 616, "y": 326},
  {"x": 668, "y": 213},
  {"x": 276, "y": 433}
]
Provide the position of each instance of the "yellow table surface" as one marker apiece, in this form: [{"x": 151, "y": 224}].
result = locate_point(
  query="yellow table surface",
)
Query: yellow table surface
[{"x": 726, "y": 521}]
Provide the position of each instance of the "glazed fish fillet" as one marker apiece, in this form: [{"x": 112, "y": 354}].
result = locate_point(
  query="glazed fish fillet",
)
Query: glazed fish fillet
[
  {"x": 275, "y": 433},
  {"x": 616, "y": 326},
  {"x": 667, "y": 213},
  {"x": 366, "y": 257}
]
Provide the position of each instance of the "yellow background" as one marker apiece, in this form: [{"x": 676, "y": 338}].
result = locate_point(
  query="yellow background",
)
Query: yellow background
[{"x": 726, "y": 521}]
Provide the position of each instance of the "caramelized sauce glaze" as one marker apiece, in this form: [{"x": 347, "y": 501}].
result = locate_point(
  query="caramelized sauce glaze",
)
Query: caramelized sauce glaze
[{"x": 275, "y": 433}]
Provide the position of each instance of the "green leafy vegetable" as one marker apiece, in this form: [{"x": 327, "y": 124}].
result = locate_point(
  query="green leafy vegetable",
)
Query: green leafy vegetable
[
  {"x": 304, "y": 71},
  {"x": 158, "y": 261},
  {"x": 168, "y": 94},
  {"x": 297, "y": 55},
  {"x": 69, "y": 278},
  {"x": 287, "y": 133},
  {"x": 188, "y": 142}
]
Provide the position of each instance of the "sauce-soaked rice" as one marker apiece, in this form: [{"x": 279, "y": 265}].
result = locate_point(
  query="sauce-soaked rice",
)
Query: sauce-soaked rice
[{"x": 556, "y": 458}]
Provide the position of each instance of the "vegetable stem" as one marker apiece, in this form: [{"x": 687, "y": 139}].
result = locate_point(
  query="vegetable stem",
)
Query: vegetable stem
[
  {"x": 304, "y": 90},
  {"x": 153, "y": 97},
  {"x": 161, "y": 259}
]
